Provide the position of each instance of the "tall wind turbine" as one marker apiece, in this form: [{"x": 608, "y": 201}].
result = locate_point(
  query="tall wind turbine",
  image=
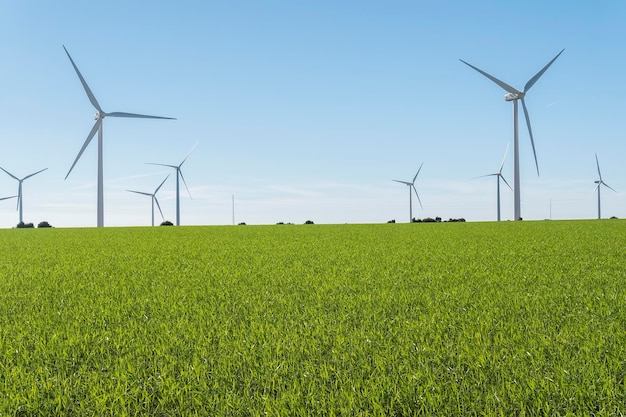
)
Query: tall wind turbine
[
  {"x": 179, "y": 174},
  {"x": 19, "y": 188},
  {"x": 99, "y": 116},
  {"x": 154, "y": 199},
  {"x": 515, "y": 95},
  {"x": 600, "y": 182},
  {"x": 411, "y": 186},
  {"x": 499, "y": 176}
]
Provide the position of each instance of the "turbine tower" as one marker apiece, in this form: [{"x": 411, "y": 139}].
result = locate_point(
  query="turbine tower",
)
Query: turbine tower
[
  {"x": 19, "y": 189},
  {"x": 179, "y": 174},
  {"x": 600, "y": 182},
  {"x": 411, "y": 186},
  {"x": 154, "y": 199},
  {"x": 99, "y": 116},
  {"x": 514, "y": 95},
  {"x": 499, "y": 176}
]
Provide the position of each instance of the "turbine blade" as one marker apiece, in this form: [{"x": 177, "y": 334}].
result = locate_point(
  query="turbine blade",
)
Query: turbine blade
[
  {"x": 28, "y": 176},
  {"x": 483, "y": 176},
  {"x": 418, "y": 196},
  {"x": 607, "y": 185},
  {"x": 505, "y": 181},
  {"x": 140, "y": 192},
  {"x": 504, "y": 157},
  {"x": 92, "y": 98},
  {"x": 184, "y": 182},
  {"x": 533, "y": 80},
  {"x": 17, "y": 179},
  {"x": 502, "y": 84},
  {"x": 137, "y": 116},
  {"x": 597, "y": 164},
  {"x": 403, "y": 182},
  {"x": 159, "y": 187},
  {"x": 194, "y": 147},
  {"x": 94, "y": 129},
  {"x": 597, "y": 186},
  {"x": 159, "y": 207},
  {"x": 6, "y": 198},
  {"x": 163, "y": 165},
  {"x": 418, "y": 171},
  {"x": 530, "y": 132}
]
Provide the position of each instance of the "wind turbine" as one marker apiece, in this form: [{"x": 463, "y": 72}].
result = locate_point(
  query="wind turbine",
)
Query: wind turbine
[
  {"x": 179, "y": 174},
  {"x": 99, "y": 116},
  {"x": 19, "y": 188},
  {"x": 600, "y": 182},
  {"x": 499, "y": 176},
  {"x": 153, "y": 197},
  {"x": 411, "y": 186},
  {"x": 515, "y": 95}
]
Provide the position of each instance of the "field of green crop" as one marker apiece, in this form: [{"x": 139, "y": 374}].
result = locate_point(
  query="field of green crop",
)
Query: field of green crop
[{"x": 515, "y": 318}]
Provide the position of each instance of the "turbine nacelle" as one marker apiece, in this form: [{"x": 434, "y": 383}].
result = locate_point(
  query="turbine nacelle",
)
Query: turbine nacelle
[
  {"x": 99, "y": 115},
  {"x": 513, "y": 96}
]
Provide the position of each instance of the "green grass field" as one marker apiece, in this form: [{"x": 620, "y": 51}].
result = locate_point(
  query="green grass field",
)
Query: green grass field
[{"x": 515, "y": 318}]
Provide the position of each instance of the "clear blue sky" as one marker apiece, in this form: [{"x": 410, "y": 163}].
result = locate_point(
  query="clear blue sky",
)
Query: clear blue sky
[{"x": 308, "y": 110}]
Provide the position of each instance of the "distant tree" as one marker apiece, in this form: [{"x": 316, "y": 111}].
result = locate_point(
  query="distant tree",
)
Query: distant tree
[
  {"x": 22, "y": 225},
  {"x": 457, "y": 220},
  {"x": 392, "y": 221},
  {"x": 242, "y": 224},
  {"x": 44, "y": 224},
  {"x": 167, "y": 223},
  {"x": 438, "y": 219},
  {"x": 309, "y": 222},
  {"x": 613, "y": 217},
  {"x": 429, "y": 220}
]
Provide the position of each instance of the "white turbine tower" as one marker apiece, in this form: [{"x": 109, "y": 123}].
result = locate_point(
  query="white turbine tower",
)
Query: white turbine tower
[
  {"x": 499, "y": 176},
  {"x": 411, "y": 186},
  {"x": 99, "y": 116},
  {"x": 153, "y": 197},
  {"x": 19, "y": 188},
  {"x": 600, "y": 182},
  {"x": 179, "y": 174},
  {"x": 515, "y": 95}
]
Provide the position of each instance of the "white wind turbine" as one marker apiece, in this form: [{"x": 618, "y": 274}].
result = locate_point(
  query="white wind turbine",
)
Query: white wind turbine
[
  {"x": 499, "y": 176},
  {"x": 99, "y": 116},
  {"x": 600, "y": 182},
  {"x": 411, "y": 186},
  {"x": 514, "y": 95},
  {"x": 179, "y": 174},
  {"x": 19, "y": 188},
  {"x": 153, "y": 197}
]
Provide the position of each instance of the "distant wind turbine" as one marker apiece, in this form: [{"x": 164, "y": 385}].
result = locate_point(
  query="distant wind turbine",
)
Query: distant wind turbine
[
  {"x": 19, "y": 188},
  {"x": 99, "y": 116},
  {"x": 600, "y": 182},
  {"x": 153, "y": 197},
  {"x": 179, "y": 174},
  {"x": 515, "y": 95},
  {"x": 411, "y": 186},
  {"x": 499, "y": 176}
]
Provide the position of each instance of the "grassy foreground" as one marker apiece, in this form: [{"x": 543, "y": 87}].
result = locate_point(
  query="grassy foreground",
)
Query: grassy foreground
[{"x": 507, "y": 319}]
